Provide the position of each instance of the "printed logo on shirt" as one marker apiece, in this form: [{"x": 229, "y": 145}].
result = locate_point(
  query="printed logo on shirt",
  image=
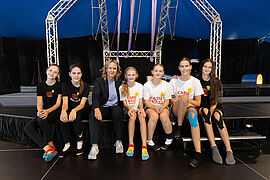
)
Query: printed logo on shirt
[
  {"x": 208, "y": 88},
  {"x": 205, "y": 92},
  {"x": 131, "y": 99},
  {"x": 190, "y": 90},
  {"x": 162, "y": 94},
  {"x": 78, "y": 93},
  {"x": 180, "y": 93},
  {"x": 136, "y": 94},
  {"x": 156, "y": 100},
  {"x": 49, "y": 94},
  {"x": 75, "y": 96}
]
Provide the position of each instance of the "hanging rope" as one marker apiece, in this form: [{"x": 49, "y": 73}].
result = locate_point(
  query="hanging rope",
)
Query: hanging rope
[
  {"x": 118, "y": 28},
  {"x": 132, "y": 6},
  {"x": 116, "y": 22},
  {"x": 154, "y": 12},
  {"x": 138, "y": 19}
]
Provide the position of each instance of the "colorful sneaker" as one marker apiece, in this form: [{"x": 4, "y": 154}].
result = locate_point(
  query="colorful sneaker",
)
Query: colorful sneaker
[
  {"x": 145, "y": 154},
  {"x": 44, "y": 155},
  {"x": 50, "y": 155},
  {"x": 130, "y": 151}
]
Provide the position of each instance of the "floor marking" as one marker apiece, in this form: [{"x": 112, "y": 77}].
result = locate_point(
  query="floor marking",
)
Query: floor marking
[
  {"x": 49, "y": 169},
  {"x": 16, "y": 150},
  {"x": 251, "y": 169}
]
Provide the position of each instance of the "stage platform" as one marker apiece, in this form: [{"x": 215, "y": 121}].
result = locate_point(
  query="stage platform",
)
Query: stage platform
[{"x": 246, "y": 90}]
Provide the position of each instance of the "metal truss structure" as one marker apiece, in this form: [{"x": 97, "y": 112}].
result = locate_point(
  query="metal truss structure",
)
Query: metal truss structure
[
  {"x": 134, "y": 54},
  {"x": 51, "y": 29},
  {"x": 164, "y": 13},
  {"x": 264, "y": 38},
  {"x": 104, "y": 29},
  {"x": 215, "y": 33}
]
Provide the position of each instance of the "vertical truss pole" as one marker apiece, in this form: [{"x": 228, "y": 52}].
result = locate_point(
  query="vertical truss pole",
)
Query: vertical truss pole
[
  {"x": 164, "y": 13},
  {"x": 215, "y": 32},
  {"x": 104, "y": 29},
  {"x": 52, "y": 41},
  {"x": 51, "y": 29},
  {"x": 215, "y": 45}
]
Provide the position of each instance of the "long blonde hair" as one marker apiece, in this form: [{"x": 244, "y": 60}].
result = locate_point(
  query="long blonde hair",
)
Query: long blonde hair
[
  {"x": 104, "y": 69},
  {"x": 124, "y": 89}
]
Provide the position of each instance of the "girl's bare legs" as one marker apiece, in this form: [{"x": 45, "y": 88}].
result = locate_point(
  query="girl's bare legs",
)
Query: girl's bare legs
[{"x": 225, "y": 138}]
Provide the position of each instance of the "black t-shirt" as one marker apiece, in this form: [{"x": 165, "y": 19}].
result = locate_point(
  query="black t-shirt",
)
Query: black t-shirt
[
  {"x": 205, "y": 100},
  {"x": 206, "y": 85},
  {"x": 73, "y": 93},
  {"x": 49, "y": 93}
]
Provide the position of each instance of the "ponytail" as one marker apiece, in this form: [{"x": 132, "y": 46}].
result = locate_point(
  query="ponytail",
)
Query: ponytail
[{"x": 124, "y": 89}]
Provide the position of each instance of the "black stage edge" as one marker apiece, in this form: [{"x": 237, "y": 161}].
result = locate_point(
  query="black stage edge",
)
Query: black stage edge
[{"x": 246, "y": 90}]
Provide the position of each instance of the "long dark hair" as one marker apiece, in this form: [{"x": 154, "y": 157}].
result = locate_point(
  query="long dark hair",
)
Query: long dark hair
[
  {"x": 216, "y": 90},
  {"x": 72, "y": 66}
]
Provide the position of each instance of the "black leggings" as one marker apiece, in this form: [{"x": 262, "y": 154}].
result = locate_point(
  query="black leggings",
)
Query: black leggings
[
  {"x": 115, "y": 113},
  {"x": 46, "y": 126},
  {"x": 66, "y": 127}
]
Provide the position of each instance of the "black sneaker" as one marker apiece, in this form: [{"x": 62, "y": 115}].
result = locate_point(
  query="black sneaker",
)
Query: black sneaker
[
  {"x": 167, "y": 147},
  {"x": 178, "y": 132},
  {"x": 154, "y": 148},
  {"x": 79, "y": 152},
  {"x": 195, "y": 162},
  {"x": 64, "y": 153}
]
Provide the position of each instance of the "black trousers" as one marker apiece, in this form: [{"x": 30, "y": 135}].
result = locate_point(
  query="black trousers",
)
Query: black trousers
[
  {"x": 46, "y": 126},
  {"x": 115, "y": 113},
  {"x": 68, "y": 127}
]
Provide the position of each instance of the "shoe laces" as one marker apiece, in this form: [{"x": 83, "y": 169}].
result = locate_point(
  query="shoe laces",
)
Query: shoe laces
[
  {"x": 144, "y": 152},
  {"x": 130, "y": 149}
]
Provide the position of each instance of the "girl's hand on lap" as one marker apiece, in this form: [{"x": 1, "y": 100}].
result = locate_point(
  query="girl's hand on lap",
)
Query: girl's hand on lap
[
  {"x": 63, "y": 116},
  {"x": 98, "y": 114},
  {"x": 72, "y": 115}
]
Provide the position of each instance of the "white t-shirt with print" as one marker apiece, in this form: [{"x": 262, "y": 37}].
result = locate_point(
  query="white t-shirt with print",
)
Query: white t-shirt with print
[
  {"x": 157, "y": 94},
  {"x": 135, "y": 94},
  {"x": 191, "y": 87}
]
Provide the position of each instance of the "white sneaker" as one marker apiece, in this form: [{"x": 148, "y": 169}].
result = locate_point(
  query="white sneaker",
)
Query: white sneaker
[
  {"x": 118, "y": 147},
  {"x": 93, "y": 152}
]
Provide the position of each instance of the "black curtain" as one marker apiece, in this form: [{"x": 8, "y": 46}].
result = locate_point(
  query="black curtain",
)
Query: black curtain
[
  {"x": 238, "y": 57},
  {"x": 23, "y": 61},
  {"x": 175, "y": 49},
  {"x": 85, "y": 51},
  {"x": 263, "y": 61}
]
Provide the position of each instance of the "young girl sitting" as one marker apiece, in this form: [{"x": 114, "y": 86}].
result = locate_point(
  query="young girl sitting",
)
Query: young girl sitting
[
  {"x": 187, "y": 91},
  {"x": 157, "y": 95},
  {"x": 211, "y": 110},
  {"x": 131, "y": 93},
  {"x": 48, "y": 112},
  {"x": 75, "y": 107}
]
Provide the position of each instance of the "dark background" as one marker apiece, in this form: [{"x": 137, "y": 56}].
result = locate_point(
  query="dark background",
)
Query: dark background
[{"x": 23, "y": 61}]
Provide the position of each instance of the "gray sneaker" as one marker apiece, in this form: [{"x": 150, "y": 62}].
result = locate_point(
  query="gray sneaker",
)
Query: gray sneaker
[
  {"x": 118, "y": 147},
  {"x": 93, "y": 152}
]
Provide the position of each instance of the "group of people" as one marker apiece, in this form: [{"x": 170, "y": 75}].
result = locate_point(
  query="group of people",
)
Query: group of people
[{"x": 185, "y": 96}]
